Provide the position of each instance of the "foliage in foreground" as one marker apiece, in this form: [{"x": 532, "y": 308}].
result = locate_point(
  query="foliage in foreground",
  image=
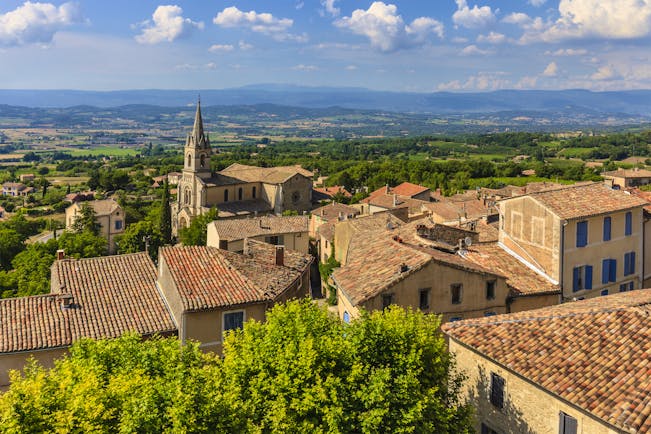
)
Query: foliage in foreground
[{"x": 302, "y": 371}]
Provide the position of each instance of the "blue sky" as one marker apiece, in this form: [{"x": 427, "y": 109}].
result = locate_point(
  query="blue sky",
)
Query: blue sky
[{"x": 407, "y": 45}]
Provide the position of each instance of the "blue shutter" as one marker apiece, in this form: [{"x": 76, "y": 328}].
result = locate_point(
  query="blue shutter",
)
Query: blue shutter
[
  {"x": 581, "y": 234},
  {"x": 628, "y": 230},
  {"x": 575, "y": 277},
  {"x": 632, "y": 260},
  {"x": 627, "y": 263},
  {"x": 605, "y": 271},
  {"x": 606, "y": 228},
  {"x": 613, "y": 270},
  {"x": 588, "y": 277}
]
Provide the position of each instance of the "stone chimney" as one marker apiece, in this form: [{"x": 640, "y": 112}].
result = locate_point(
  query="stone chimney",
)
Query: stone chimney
[
  {"x": 66, "y": 301},
  {"x": 61, "y": 254},
  {"x": 280, "y": 256}
]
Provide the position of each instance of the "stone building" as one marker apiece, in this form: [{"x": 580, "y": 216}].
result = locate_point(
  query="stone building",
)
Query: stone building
[
  {"x": 574, "y": 368},
  {"x": 238, "y": 190},
  {"x": 625, "y": 178},
  {"x": 109, "y": 215}
]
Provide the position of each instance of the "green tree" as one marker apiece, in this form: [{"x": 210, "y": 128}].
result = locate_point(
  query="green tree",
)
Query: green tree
[
  {"x": 137, "y": 235},
  {"x": 11, "y": 244},
  {"x": 86, "y": 221},
  {"x": 31, "y": 271},
  {"x": 82, "y": 245},
  {"x": 195, "y": 234},
  {"x": 166, "y": 214}
]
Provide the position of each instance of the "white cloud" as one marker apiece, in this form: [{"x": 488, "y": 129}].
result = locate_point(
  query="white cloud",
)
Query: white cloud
[
  {"x": 459, "y": 40},
  {"x": 330, "y": 8},
  {"x": 196, "y": 67},
  {"x": 526, "y": 82},
  {"x": 351, "y": 68},
  {"x": 299, "y": 5},
  {"x": 244, "y": 46},
  {"x": 492, "y": 38},
  {"x": 567, "y": 52},
  {"x": 474, "y": 18},
  {"x": 551, "y": 70},
  {"x": 264, "y": 23},
  {"x": 473, "y": 50},
  {"x": 517, "y": 18},
  {"x": 302, "y": 67},
  {"x": 606, "y": 72},
  {"x": 386, "y": 30},
  {"x": 537, "y": 3},
  {"x": 483, "y": 81},
  {"x": 216, "y": 48},
  {"x": 167, "y": 24},
  {"x": 36, "y": 23}
]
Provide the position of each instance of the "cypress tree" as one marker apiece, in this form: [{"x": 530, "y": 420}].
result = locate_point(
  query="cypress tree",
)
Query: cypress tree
[{"x": 166, "y": 215}]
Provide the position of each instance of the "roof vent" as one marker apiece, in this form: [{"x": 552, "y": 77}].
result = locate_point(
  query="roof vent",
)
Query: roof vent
[
  {"x": 66, "y": 301},
  {"x": 61, "y": 254},
  {"x": 404, "y": 268}
]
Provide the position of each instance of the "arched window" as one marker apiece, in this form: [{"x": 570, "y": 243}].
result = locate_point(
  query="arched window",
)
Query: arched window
[
  {"x": 202, "y": 163},
  {"x": 239, "y": 193},
  {"x": 253, "y": 192},
  {"x": 225, "y": 195},
  {"x": 188, "y": 195},
  {"x": 189, "y": 160}
]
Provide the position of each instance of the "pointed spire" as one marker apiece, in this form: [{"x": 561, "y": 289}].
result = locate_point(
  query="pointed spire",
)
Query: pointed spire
[{"x": 197, "y": 130}]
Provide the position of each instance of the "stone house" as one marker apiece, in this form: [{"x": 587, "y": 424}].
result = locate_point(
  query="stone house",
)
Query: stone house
[
  {"x": 625, "y": 178},
  {"x": 15, "y": 189},
  {"x": 289, "y": 231},
  {"x": 574, "y": 368},
  {"x": 586, "y": 238},
  {"x": 109, "y": 215}
]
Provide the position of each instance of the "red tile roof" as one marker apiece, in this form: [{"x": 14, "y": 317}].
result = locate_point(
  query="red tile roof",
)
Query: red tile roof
[
  {"x": 332, "y": 191},
  {"x": 332, "y": 210},
  {"x": 238, "y": 229},
  {"x": 628, "y": 173},
  {"x": 110, "y": 295},
  {"x": 595, "y": 353},
  {"x": 585, "y": 200},
  {"x": 408, "y": 189},
  {"x": 272, "y": 175},
  {"x": 207, "y": 277}
]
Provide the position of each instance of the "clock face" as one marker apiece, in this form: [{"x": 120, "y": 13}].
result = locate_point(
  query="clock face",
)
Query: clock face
[{"x": 296, "y": 196}]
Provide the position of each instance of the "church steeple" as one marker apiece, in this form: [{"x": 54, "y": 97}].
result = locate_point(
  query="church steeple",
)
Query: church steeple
[
  {"x": 197, "y": 148},
  {"x": 197, "y": 130},
  {"x": 197, "y": 138}
]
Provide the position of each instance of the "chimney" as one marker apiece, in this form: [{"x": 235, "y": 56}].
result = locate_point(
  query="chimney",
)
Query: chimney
[
  {"x": 342, "y": 216},
  {"x": 388, "y": 190},
  {"x": 66, "y": 301},
  {"x": 61, "y": 254},
  {"x": 280, "y": 256}
]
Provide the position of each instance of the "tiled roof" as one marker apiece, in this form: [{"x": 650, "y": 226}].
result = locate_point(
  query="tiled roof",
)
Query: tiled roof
[
  {"x": 628, "y": 173},
  {"x": 408, "y": 189},
  {"x": 272, "y": 175},
  {"x": 585, "y": 200},
  {"x": 644, "y": 195},
  {"x": 14, "y": 185},
  {"x": 239, "y": 229},
  {"x": 392, "y": 201},
  {"x": 332, "y": 210},
  {"x": 327, "y": 231},
  {"x": 521, "y": 279},
  {"x": 207, "y": 277},
  {"x": 595, "y": 353},
  {"x": 240, "y": 208},
  {"x": 103, "y": 207},
  {"x": 111, "y": 295},
  {"x": 332, "y": 191}
]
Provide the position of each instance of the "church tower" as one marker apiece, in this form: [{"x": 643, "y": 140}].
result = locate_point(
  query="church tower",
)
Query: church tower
[{"x": 197, "y": 149}]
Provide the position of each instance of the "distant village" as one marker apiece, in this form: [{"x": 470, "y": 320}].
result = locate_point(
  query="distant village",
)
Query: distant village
[{"x": 539, "y": 287}]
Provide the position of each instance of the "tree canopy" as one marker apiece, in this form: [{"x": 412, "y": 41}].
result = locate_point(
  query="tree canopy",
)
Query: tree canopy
[
  {"x": 195, "y": 234},
  {"x": 301, "y": 371}
]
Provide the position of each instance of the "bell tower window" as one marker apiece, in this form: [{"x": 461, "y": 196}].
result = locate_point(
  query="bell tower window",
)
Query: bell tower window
[
  {"x": 189, "y": 160},
  {"x": 202, "y": 163}
]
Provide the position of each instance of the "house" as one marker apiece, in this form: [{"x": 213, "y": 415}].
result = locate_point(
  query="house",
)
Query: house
[
  {"x": 419, "y": 265},
  {"x": 238, "y": 190},
  {"x": 194, "y": 293},
  {"x": 109, "y": 215},
  {"x": 331, "y": 213},
  {"x": 15, "y": 189},
  {"x": 406, "y": 196},
  {"x": 586, "y": 238},
  {"x": 646, "y": 196},
  {"x": 624, "y": 178},
  {"x": 173, "y": 178},
  {"x": 289, "y": 231},
  {"x": 26, "y": 177},
  {"x": 80, "y": 196},
  {"x": 210, "y": 291},
  {"x": 329, "y": 193},
  {"x": 89, "y": 298},
  {"x": 574, "y": 368}
]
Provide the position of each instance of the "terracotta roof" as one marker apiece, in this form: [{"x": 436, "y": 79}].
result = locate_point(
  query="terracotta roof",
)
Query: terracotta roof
[
  {"x": 14, "y": 185},
  {"x": 332, "y": 210},
  {"x": 408, "y": 189},
  {"x": 242, "y": 228},
  {"x": 233, "y": 278},
  {"x": 644, "y": 195},
  {"x": 242, "y": 208},
  {"x": 392, "y": 201},
  {"x": 628, "y": 173},
  {"x": 102, "y": 207},
  {"x": 272, "y": 175},
  {"x": 521, "y": 279},
  {"x": 594, "y": 353},
  {"x": 332, "y": 191},
  {"x": 111, "y": 295},
  {"x": 585, "y": 200}
]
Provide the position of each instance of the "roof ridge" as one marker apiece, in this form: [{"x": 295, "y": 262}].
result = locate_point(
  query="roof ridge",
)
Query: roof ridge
[{"x": 243, "y": 276}]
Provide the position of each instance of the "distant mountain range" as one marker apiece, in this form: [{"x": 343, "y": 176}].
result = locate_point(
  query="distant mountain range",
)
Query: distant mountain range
[{"x": 634, "y": 102}]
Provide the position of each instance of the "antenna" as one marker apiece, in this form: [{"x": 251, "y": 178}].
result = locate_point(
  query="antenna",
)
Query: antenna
[{"x": 468, "y": 241}]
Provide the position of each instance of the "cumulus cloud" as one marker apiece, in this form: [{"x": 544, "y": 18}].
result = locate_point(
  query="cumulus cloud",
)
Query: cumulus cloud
[
  {"x": 385, "y": 28},
  {"x": 483, "y": 81},
  {"x": 606, "y": 72},
  {"x": 474, "y": 18},
  {"x": 537, "y": 3},
  {"x": 36, "y": 23},
  {"x": 473, "y": 50},
  {"x": 517, "y": 18},
  {"x": 551, "y": 70},
  {"x": 330, "y": 8},
  {"x": 302, "y": 67},
  {"x": 492, "y": 38},
  {"x": 216, "y": 48},
  {"x": 264, "y": 23},
  {"x": 567, "y": 52},
  {"x": 167, "y": 24},
  {"x": 244, "y": 46}
]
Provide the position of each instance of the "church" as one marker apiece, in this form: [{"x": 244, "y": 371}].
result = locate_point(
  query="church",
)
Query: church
[{"x": 239, "y": 190}]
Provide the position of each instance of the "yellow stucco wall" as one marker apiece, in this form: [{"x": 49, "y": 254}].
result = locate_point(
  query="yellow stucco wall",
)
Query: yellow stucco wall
[{"x": 16, "y": 361}]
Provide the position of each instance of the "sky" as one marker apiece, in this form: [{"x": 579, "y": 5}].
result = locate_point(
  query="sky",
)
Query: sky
[{"x": 397, "y": 45}]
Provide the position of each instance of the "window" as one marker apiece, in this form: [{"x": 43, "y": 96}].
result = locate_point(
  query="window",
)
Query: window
[
  {"x": 607, "y": 222},
  {"x": 485, "y": 429},
  {"x": 456, "y": 289},
  {"x": 567, "y": 424},
  {"x": 608, "y": 270},
  {"x": 489, "y": 313},
  {"x": 456, "y": 318},
  {"x": 346, "y": 317},
  {"x": 423, "y": 298},
  {"x": 225, "y": 195},
  {"x": 233, "y": 320},
  {"x": 490, "y": 290},
  {"x": 118, "y": 225},
  {"x": 628, "y": 286},
  {"x": 497, "y": 390},
  {"x": 581, "y": 234},
  {"x": 582, "y": 278},
  {"x": 202, "y": 163},
  {"x": 628, "y": 229},
  {"x": 253, "y": 192},
  {"x": 629, "y": 263},
  {"x": 276, "y": 240},
  {"x": 189, "y": 160},
  {"x": 239, "y": 193},
  {"x": 604, "y": 292},
  {"x": 387, "y": 300}
]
